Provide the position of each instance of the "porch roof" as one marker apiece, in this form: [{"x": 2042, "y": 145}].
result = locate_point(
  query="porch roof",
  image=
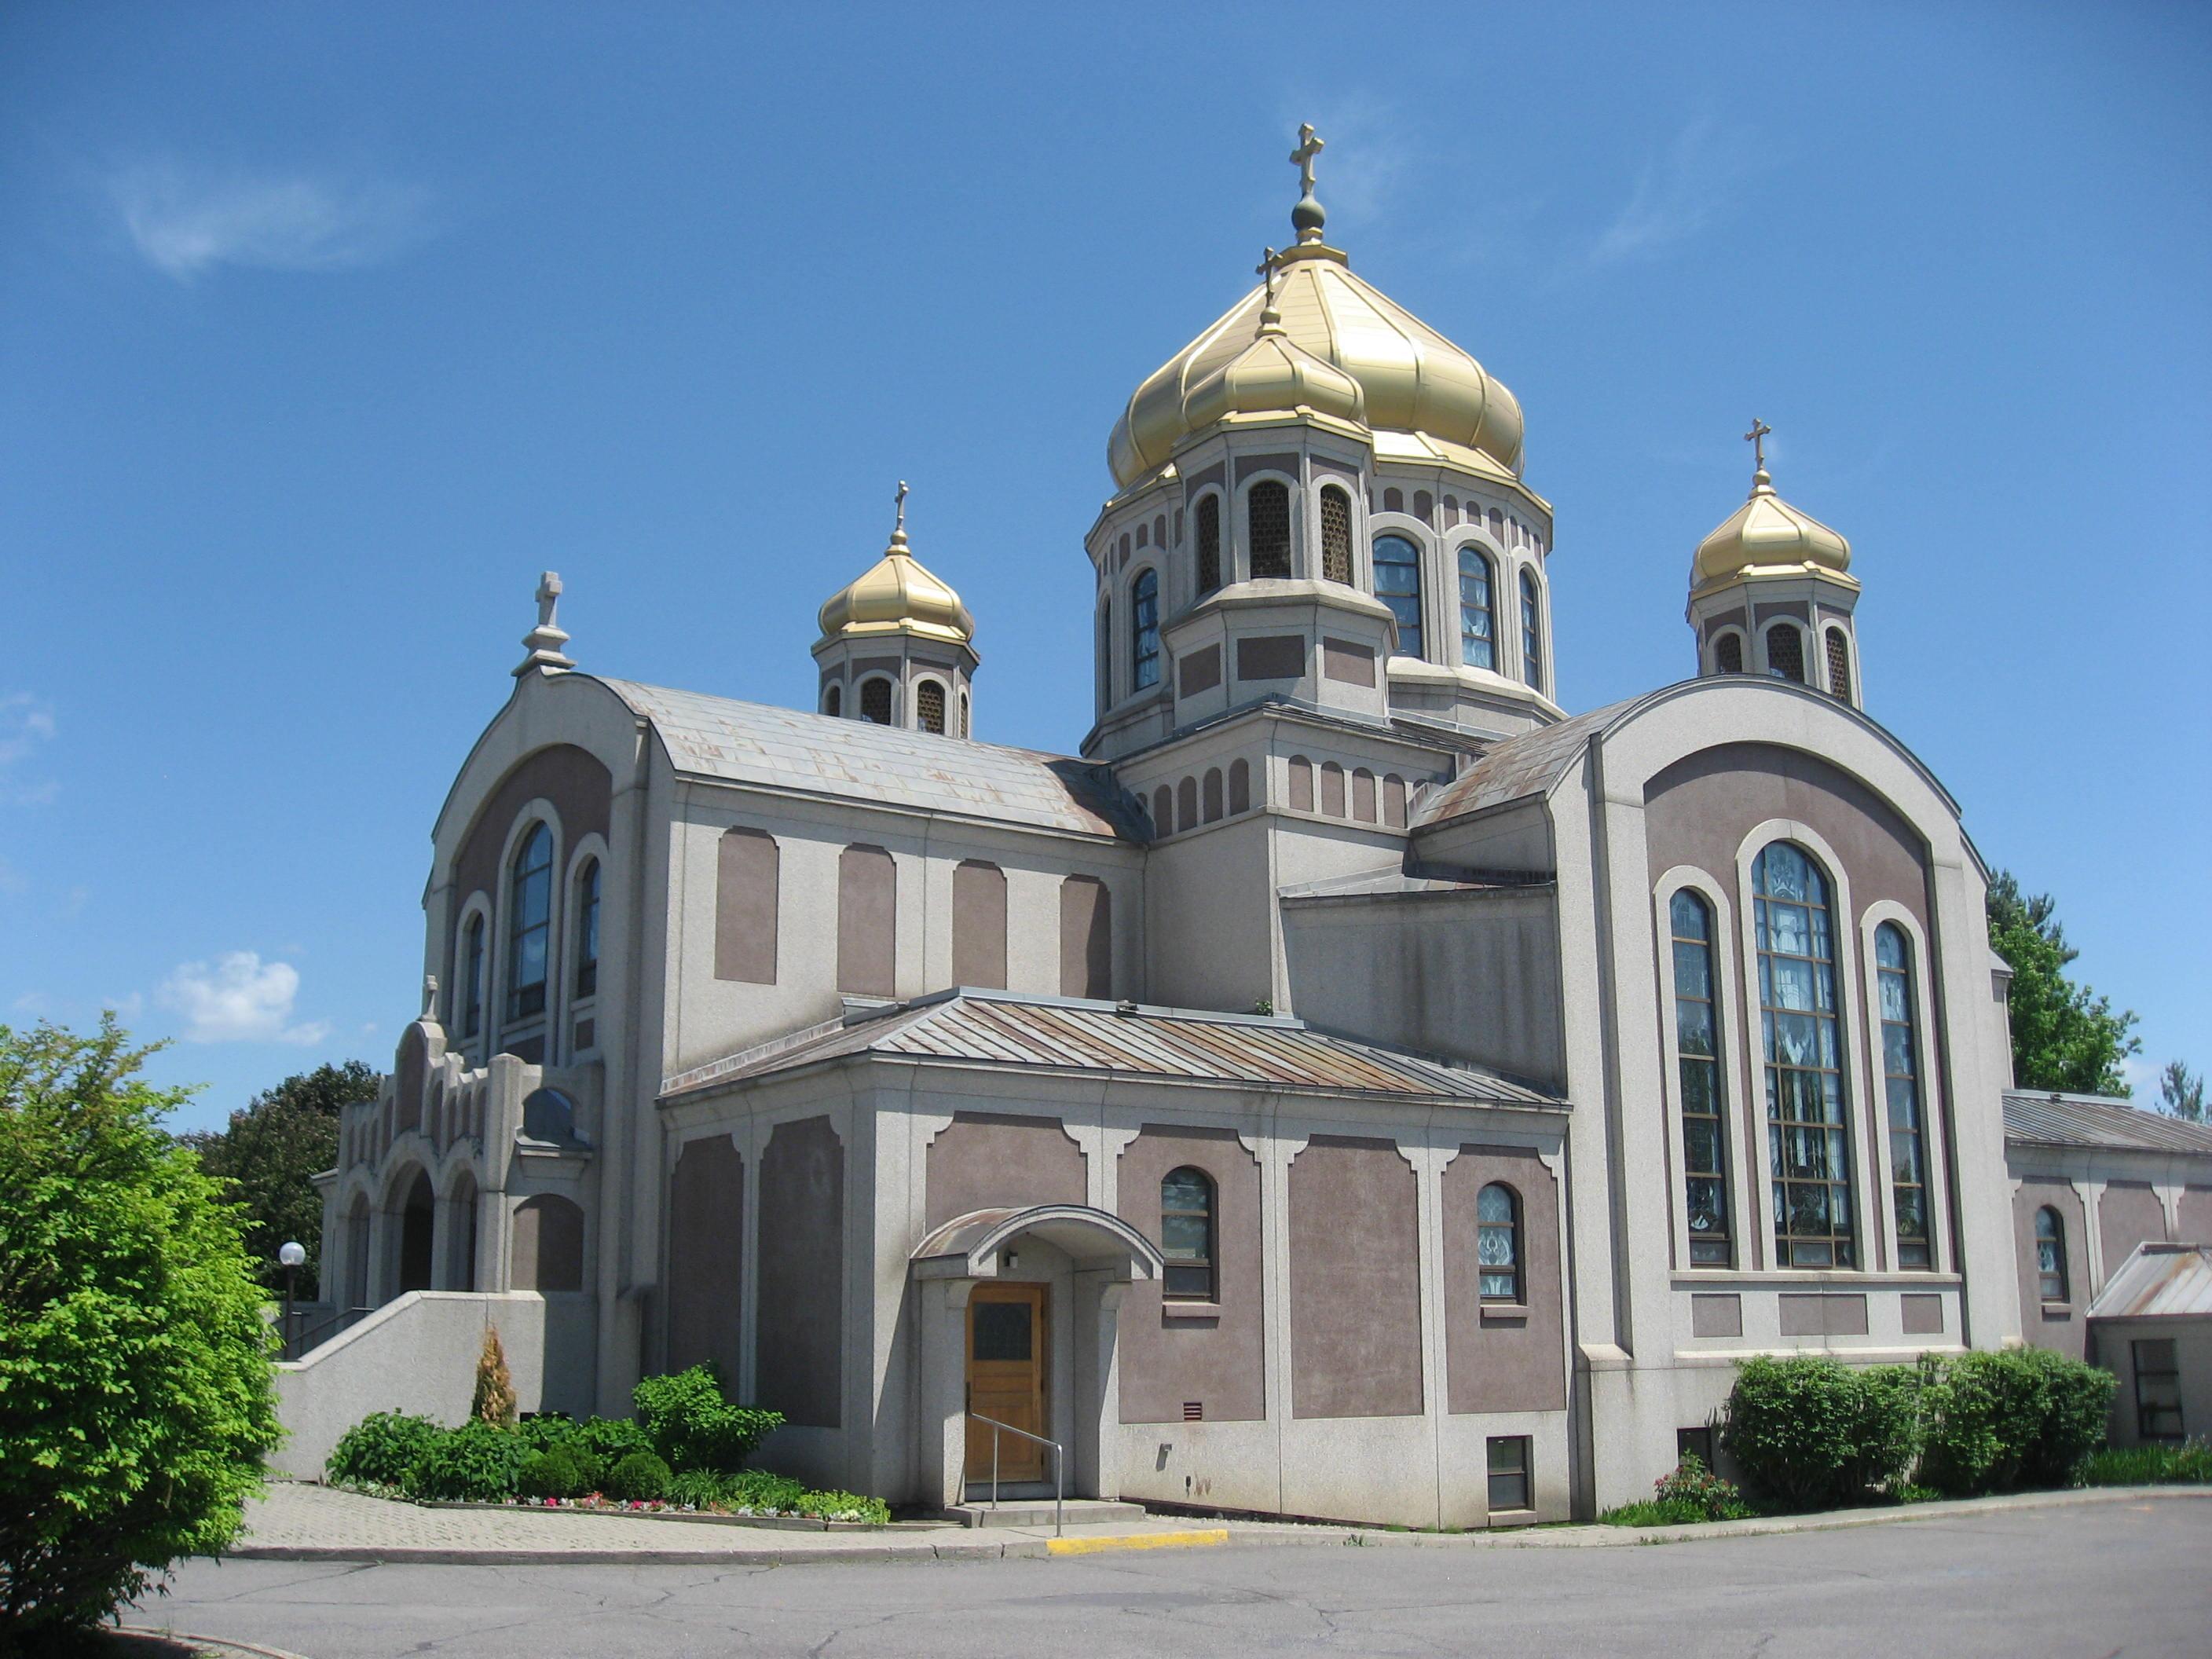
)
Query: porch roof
[{"x": 1002, "y": 1029}]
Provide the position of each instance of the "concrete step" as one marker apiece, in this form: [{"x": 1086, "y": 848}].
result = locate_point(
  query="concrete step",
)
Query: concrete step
[{"x": 1037, "y": 1512}]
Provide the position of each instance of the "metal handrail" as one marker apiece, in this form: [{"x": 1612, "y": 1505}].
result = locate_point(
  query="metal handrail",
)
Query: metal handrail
[
  {"x": 342, "y": 1319},
  {"x": 1059, "y": 1467}
]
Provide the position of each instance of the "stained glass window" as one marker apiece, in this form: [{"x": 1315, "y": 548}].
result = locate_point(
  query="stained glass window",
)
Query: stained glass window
[
  {"x": 1498, "y": 1243},
  {"x": 2049, "y": 1255},
  {"x": 472, "y": 978},
  {"x": 1145, "y": 631},
  {"x": 530, "y": 918},
  {"x": 1900, "y": 1073},
  {"x": 1808, "y": 1148},
  {"x": 588, "y": 931},
  {"x": 1532, "y": 634},
  {"x": 1398, "y": 585},
  {"x": 1187, "y": 1235},
  {"x": 1699, "y": 1074},
  {"x": 1478, "y": 616}
]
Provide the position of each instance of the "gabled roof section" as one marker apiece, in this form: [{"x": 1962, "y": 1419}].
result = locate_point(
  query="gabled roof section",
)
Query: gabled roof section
[
  {"x": 1517, "y": 767},
  {"x": 2158, "y": 1279},
  {"x": 752, "y": 743},
  {"x": 1064, "y": 1034},
  {"x": 2100, "y": 1121}
]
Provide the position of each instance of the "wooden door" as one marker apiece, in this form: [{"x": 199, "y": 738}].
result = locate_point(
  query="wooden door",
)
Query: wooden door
[{"x": 1007, "y": 1380}]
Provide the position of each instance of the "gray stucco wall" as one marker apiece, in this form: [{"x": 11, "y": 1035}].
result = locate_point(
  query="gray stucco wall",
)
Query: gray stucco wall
[
  {"x": 706, "y": 1256},
  {"x": 1502, "y": 1358},
  {"x": 985, "y": 1160},
  {"x": 2062, "y": 1330},
  {"x": 798, "y": 1354},
  {"x": 2128, "y": 1214},
  {"x": 1355, "y": 1280}
]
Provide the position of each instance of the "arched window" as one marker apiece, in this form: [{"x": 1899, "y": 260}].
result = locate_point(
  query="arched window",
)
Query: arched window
[
  {"x": 1839, "y": 666},
  {"x": 1900, "y": 1076},
  {"x": 1145, "y": 631},
  {"x": 1336, "y": 535},
  {"x": 1363, "y": 795},
  {"x": 929, "y": 706},
  {"x": 1785, "y": 654},
  {"x": 1187, "y": 1236},
  {"x": 1727, "y": 653},
  {"x": 2049, "y": 1255},
  {"x": 1187, "y": 803},
  {"x": 1478, "y": 614},
  {"x": 1398, "y": 585},
  {"x": 833, "y": 702},
  {"x": 1425, "y": 506},
  {"x": 1498, "y": 1243},
  {"x": 1267, "y": 527},
  {"x": 1806, "y": 1111},
  {"x": 876, "y": 701},
  {"x": 1331, "y": 789},
  {"x": 1301, "y": 784},
  {"x": 588, "y": 931},
  {"x": 1209, "y": 545},
  {"x": 549, "y": 1114},
  {"x": 547, "y": 1252},
  {"x": 529, "y": 924},
  {"x": 1532, "y": 633},
  {"x": 1394, "y": 500},
  {"x": 1210, "y": 790},
  {"x": 1240, "y": 788},
  {"x": 963, "y": 714},
  {"x": 472, "y": 977},
  {"x": 1697, "y": 1068},
  {"x": 1163, "y": 811}
]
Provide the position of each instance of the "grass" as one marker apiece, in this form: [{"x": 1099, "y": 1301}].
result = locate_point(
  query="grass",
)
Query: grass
[
  {"x": 2190, "y": 1462},
  {"x": 1671, "y": 1512}
]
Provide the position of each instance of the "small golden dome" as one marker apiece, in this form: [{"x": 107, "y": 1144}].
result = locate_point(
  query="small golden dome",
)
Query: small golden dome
[
  {"x": 1410, "y": 378},
  {"x": 1274, "y": 374},
  {"x": 895, "y": 595},
  {"x": 1767, "y": 537}
]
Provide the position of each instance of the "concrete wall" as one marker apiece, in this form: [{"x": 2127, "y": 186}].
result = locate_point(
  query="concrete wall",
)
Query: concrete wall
[
  {"x": 2061, "y": 1327},
  {"x": 2111, "y": 1346},
  {"x": 419, "y": 1355},
  {"x": 802, "y": 1272}
]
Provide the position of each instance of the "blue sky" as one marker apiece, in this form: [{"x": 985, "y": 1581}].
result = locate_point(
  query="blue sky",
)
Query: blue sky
[{"x": 327, "y": 328}]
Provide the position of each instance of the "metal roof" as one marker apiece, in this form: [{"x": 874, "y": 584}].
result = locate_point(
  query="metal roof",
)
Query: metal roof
[
  {"x": 1518, "y": 766},
  {"x": 2098, "y": 1121},
  {"x": 2158, "y": 1279},
  {"x": 1062, "y": 1033},
  {"x": 820, "y": 754}
]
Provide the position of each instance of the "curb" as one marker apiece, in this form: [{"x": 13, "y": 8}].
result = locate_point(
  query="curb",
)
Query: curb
[
  {"x": 222, "y": 1642},
  {"x": 1197, "y": 1538}
]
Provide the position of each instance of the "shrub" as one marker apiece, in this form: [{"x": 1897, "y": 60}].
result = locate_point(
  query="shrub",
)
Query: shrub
[
  {"x": 1693, "y": 1486},
  {"x": 641, "y": 1475},
  {"x": 2150, "y": 1465},
  {"x": 843, "y": 1506},
  {"x": 757, "y": 1489},
  {"x": 493, "y": 1401},
  {"x": 546, "y": 1430},
  {"x": 135, "y": 1407},
  {"x": 1992, "y": 1422},
  {"x": 475, "y": 1463},
  {"x": 381, "y": 1448},
  {"x": 561, "y": 1471},
  {"x": 1812, "y": 1433},
  {"x": 702, "y": 1489},
  {"x": 692, "y": 1423},
  {"x": 609, "y": 1439}
]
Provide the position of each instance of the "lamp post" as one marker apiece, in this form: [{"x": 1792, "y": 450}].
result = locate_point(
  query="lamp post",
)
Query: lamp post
[{"x": 289, "y": 1255}]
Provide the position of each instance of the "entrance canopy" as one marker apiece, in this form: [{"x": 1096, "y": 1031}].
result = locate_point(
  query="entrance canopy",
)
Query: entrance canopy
[{"x": 970, "y": 1246}]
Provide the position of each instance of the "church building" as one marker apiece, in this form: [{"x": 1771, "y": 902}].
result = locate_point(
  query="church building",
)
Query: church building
[{"x": 1348, "y": 1085}]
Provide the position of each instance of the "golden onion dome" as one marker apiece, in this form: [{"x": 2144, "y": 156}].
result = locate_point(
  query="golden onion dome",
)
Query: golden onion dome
[
  {"x": 1274, "y": 374},
  {"x": 1767, "y": 537},
  {"x": 1411, "y": 379},
  {"x": 896, "y": 595}
]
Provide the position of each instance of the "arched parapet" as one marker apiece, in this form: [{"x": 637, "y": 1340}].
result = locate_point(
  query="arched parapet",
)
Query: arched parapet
[{"x": 973, "y": 1246}]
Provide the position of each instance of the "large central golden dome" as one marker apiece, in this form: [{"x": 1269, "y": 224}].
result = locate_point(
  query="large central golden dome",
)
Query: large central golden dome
[{"x": 1411, "y": 379}]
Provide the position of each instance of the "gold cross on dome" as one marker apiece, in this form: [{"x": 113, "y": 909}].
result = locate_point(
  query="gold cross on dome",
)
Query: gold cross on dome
[
  {"x": 1757, "y": 438},
  {"x": 1310, "y": 145},
  {"x": 1266, "y": 269}
]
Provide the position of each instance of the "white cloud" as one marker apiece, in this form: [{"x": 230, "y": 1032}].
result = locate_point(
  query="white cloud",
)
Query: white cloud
[
  {"x": 1692, "y": 182},
  {"x": 26, "y": 725},
  {"x": 238, "y": 998},
  {"x": 185, "y": 221},
  {"x": 2142, "y": 1078}
]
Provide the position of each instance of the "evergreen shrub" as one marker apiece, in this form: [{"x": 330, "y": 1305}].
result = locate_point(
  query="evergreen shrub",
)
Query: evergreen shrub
[
  {"x": 1812, "y": 1433},
  {"x": 693, "y": 1425},
  {"x": 561, "y": 1471},
  {"x": 381, "y": 1448},
  {"x": 639, "y": 1477}
]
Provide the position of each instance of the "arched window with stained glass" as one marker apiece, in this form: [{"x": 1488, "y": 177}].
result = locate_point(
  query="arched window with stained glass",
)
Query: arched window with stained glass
[
  {"x": 1807, "y": 1114},
  {"x": 1498, "y": 1243},
  {"x": 1699, "y": 1079},
  {"x": 1477, "y": 610},
  {"x": 1145, "y": 631},
  {"x": 1900, "y": 1077},
  {"x": 1398, "y": 585},
  {"x": 1187, "y": 1236}
]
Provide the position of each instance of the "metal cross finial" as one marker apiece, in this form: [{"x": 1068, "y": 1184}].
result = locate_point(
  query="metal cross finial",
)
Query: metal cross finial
[
  {"x": 1757, "y": 438},
  {"x": 901, "y": 525},
  {"x": 1266, "y": 269},
  {"x": 1310, "y": 144},
  {"x": 549, "y": 597},
  {"x": 429, "y": 995}
]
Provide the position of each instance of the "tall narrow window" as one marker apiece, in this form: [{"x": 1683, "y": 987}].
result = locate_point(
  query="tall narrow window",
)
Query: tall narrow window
[
  {"x": 1268, "y": 528},
  {"x": 2049, "y": 1255},
  {"x": 1336, "y": 535},
  {"x": 1509, "y": 1472},
  {"x": 2158, "y": 1387},
  {"x": 1498, "y": 1243},
  {"x": 1728, "y": 653},
  {"x": 530, "y": 919},
  {"x": 1806, "y": 1113},
  {"x": 1187, "y": 1236},
  {"x": 472, "y": 977},
  {"x": 875, "y": 701},
  {"x": 1398, "y": 585},
  {"x": 963, "y": 714},
  {"x": 1532, "y": 633},
  {"x": 1785, "y": 654},
  {"x": 588, "y": 931},
  {"x": 1900, "y": 1073},
  {"x": 1105, "y": 653},
  {"x": 929, "y": 706},
  {"x": 1478, "y": 614},
  {"x": 1839, "y": 666},
  {"x": 833, "y": 702},
  {"x": 1209, "y": 545},
  {"x": 1698, "y": 1069},
  {"x": 1145, "y": 631}
]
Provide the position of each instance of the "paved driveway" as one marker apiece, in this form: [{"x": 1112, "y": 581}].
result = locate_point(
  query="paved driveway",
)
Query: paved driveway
[{"x": 2128, "y": 1578}]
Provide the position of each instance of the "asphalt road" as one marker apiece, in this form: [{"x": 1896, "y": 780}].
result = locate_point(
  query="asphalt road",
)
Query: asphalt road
[{"x": 2126, "y": 1578}]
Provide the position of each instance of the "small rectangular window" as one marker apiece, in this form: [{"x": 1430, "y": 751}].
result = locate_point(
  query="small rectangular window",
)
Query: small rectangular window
[
  {"x": 1509, "y": 1472},
  {"x": 1694, "y": 1443},
  {"x": 2158, "y": 1390}
]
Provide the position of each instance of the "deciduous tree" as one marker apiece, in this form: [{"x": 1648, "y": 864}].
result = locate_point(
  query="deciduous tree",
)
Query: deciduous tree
[{"x": 2064, "y": 1036}]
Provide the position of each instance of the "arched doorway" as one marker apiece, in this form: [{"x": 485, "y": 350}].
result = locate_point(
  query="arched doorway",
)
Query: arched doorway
[
  {"x": 418, "y": 1231},
  {"x": 356, "y": 1254},
  {"x": 461, "y": 1233}
]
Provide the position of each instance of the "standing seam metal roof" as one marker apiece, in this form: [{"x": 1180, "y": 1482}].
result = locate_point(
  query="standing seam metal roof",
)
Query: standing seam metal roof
[
  {"x": 2158, "y": 1279},
  {"x": 1062, "y": 1034},
  {"x": 821, "y": 754},
  {"x": 2098, "y": 1121}
]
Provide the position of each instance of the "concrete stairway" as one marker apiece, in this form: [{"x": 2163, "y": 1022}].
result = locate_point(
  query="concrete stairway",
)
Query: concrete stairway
[{"x": 1037, "y": 1512}]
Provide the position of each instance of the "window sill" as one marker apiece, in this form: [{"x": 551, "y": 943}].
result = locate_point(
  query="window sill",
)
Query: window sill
[
  {"x": 1505, "y": 1313},
  {"x": 2057, "y": 1310},
  {"x": 1193, "y": 1310},
  {"x": 1499, "y": 1519}
]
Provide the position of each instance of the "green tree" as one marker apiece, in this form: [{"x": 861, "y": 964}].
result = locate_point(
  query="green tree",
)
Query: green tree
[
  {"x": 2064, "y": 1036},
  {"x": 268, "y": 1156},
  {"x": 135, "y": 1396},
  {"x": 2181, "y": 1092}
]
